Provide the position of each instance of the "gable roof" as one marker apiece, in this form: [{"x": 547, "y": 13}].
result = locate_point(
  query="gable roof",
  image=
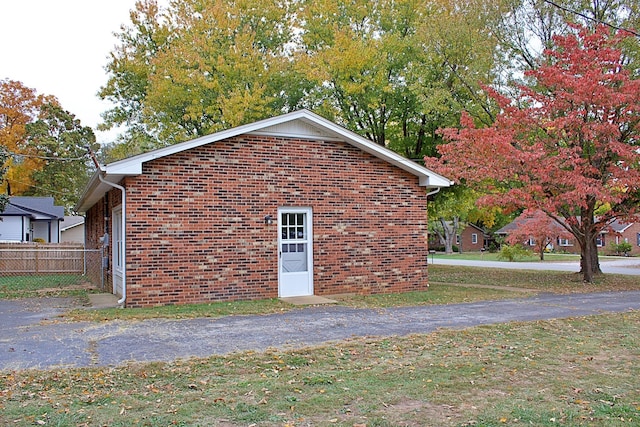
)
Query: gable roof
[
  {"x": 616, "y": 226},
  {"x": 300, "y": 124},
  {"x": 71, "y": 221},
  {"x": 33, "y": 207}
]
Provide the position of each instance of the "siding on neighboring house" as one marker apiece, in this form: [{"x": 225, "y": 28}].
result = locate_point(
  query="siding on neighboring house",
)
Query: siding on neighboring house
[
  {"x": 72, "y": 230},
  {"x": 14, "y": 229}
]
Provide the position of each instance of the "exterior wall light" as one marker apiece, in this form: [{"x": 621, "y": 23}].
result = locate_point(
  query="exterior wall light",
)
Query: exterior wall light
[{"x": 268, "y": 220}]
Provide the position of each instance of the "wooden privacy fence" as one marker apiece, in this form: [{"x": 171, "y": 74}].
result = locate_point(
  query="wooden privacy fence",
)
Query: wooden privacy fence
[{"x": 18, "y": 259}]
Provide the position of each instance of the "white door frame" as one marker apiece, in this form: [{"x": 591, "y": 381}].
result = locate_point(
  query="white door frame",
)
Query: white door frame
[
  {"x": 117, "y": 257},
  {"x": 299, "y": 283}
]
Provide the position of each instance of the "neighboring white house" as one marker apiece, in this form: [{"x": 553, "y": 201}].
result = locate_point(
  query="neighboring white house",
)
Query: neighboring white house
[
  {"x": 72, "y": 229},
  {"x": 27, "y": 218}
]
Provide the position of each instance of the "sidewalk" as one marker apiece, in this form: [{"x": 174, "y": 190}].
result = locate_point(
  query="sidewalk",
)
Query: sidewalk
[{"x": 29, "y": 339}]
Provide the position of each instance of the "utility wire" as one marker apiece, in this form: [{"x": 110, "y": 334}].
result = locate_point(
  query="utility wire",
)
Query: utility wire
[
  {"x": 38, "y": 187},
  {"x": 590, "y": 18},
  {"x": 33, "y": 156}
]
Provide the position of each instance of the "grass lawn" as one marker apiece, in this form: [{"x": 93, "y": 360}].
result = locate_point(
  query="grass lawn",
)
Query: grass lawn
[
  {"x": 27, "y": 286},
  {"x": 449, "y": 285},
  {"x": 575, "y": 372}
]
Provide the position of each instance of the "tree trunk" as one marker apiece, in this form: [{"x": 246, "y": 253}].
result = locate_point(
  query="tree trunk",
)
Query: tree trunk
[
  {"x": 449, "y": 233},
  {"x": 589, "y": 262}
]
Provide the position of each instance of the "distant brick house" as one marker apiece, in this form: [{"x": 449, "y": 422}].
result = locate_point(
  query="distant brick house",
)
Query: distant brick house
[
  {"x": 292, "y": 205},
  {"x": 472, "y": 238},
  {"x": 624, "y": 232},
  {"x": 617, "y": 232}
]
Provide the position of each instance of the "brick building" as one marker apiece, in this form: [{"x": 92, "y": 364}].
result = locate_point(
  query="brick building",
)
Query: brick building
[{"x": 292, "y": 205}]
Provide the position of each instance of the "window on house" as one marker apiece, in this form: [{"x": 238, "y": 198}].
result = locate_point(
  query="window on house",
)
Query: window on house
[
  {"x": 600, "y": 241},
  {"x": 474, "y": 238},
  {"x": 531, "y": 241},
  {"x": 564, "y": 242},
  {"x": 638, "y": 237}
]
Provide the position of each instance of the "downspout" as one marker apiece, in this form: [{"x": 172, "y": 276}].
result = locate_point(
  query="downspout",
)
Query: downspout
[
  {"x": 124, "y": 234},
  {"x": 100, "y": 171},
  {"x": 436, "y": 191}
]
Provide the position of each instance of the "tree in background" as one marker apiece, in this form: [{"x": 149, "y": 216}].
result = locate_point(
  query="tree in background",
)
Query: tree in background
[
  {"x": 538, "y": 230},
  {"x": 394, "y": 71},
  {"x": 4, "y": 198},
  {"x": 60, "y": 141},
  {"x": 19, "y": 106},
  {"x": 453, "y": 208},
  {"x": 44, "y": 146},
  {"x": 568, "y": 145},
  {"x": 197, "y": 68}
]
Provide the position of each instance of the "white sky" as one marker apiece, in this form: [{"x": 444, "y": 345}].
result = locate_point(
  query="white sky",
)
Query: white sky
[{"x": 60, "y": 48}]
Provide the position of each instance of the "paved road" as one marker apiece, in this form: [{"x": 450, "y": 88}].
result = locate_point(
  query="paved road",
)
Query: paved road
[
  {"x": 30, "y": 337},
  {"x": 629, "y": 266}
]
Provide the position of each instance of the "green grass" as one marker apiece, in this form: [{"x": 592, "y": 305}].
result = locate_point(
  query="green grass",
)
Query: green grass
[
  {"x": 27, "y": 286},
  {"x": 449, "y": 285},
  {"x": 572, "y": 372},
  {"x": 488, "y": 256},
  {"x": 541, "y": 281}
]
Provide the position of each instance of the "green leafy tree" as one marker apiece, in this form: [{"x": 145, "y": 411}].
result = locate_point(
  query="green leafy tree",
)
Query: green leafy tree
[
  {"x": 448, "y": 212},
  {"x": 61, "y": 143},
  {"x": 396, "y": 71},
  {"x": 199, "y": 67},
  {"x": 37, "y": 137}
]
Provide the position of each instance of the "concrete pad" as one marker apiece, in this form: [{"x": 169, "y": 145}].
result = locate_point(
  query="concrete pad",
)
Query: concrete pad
[
  {"x": 308, "y": 300},
  {"x": 103, "y": 301}
]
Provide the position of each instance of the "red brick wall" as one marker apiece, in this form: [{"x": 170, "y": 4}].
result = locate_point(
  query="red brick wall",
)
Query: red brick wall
[
  {"x": 97, "y": 223},
  {"x": 196, "y": 232},
  {"x": 631, "y": 236},
  {"x": 466, "y": 239}
]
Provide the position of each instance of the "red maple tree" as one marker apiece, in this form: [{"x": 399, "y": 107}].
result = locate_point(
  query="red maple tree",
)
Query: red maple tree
[
  {"x": 568, "y": 145},
  {"x": 537, "y": 230}
]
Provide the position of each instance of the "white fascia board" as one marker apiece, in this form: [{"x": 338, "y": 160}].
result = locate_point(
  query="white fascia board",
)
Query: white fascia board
[
  {"x": 133, "y": 165},
  {"x": 428, "y": 178}
]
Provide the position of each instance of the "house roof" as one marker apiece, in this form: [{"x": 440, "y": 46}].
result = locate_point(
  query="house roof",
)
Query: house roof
[
  {"x": 302, "y": 123},
  {"x": 616, "y": 226},
  {"x": 71, "y": 221},
  {"x": 33, "y": 207}
]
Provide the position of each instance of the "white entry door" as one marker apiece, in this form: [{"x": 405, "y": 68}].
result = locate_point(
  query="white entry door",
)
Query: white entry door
[{"x": 295, "y": 249}]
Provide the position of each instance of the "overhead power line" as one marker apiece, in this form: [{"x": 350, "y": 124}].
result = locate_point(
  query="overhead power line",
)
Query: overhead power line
[
  {"x": 34, "y": 156},
  {"x": 591, "y": 18}
]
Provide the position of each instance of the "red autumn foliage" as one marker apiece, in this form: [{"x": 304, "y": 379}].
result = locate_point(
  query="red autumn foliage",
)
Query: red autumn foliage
[{"x": 568, "y": 145}]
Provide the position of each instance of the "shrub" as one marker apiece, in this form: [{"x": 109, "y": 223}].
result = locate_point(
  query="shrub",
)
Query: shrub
[
  {"x": 623, "y": 248},
  {"x": 513, "y": 252}
]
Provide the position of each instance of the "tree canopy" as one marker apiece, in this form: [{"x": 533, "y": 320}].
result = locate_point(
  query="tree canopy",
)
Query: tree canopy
[
  {"x": 43, "y": 146},
  {"x": 394, "y": 71},
  {"x": 567, "y": 145}
]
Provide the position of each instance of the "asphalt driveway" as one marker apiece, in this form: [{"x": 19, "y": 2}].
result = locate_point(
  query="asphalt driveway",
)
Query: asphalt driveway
[{"x": 31, "y": 336}]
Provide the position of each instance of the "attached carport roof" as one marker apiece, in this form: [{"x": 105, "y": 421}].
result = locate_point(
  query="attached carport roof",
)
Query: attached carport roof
[{"x": 307, "y": 125}]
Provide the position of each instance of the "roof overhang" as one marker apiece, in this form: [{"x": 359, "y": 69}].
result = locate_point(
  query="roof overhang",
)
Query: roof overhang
[{"x": 315, "y": 127}]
